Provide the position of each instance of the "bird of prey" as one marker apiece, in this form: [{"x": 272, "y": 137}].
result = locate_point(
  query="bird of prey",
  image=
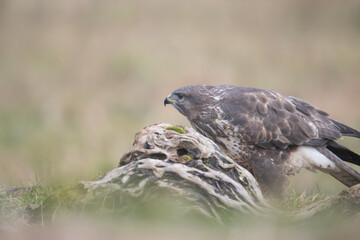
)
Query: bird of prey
[{"x": 269, "y": 134}]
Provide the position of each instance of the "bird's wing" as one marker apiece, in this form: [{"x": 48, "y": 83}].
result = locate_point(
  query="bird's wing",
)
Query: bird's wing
[{"x": 270, "y": 120}]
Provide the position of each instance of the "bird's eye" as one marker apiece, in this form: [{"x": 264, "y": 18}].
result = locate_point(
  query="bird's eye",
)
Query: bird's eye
[{"x": 180, "y": 96}]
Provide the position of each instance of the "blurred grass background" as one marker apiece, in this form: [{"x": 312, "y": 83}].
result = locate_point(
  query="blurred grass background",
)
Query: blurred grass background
[{"x": 79, "y": 78}]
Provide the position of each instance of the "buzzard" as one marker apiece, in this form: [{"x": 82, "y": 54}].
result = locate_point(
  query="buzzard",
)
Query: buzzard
[{"x": 269, "y": 134}]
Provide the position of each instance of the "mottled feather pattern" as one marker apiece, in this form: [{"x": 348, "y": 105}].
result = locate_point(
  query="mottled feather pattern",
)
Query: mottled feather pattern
[{"x": 268, "y": 119}]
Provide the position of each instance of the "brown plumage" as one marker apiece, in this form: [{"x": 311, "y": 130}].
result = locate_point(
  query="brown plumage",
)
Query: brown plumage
[{"x": 269, "y": 134}]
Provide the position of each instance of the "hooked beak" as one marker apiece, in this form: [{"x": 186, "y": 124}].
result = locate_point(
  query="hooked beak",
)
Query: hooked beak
[{"x": 168, "y": 100}]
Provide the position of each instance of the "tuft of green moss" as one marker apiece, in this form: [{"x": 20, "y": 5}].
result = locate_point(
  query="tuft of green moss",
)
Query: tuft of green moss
[
  {"x": 176, "y": 129},
  {"x": 188, "y": 157}
]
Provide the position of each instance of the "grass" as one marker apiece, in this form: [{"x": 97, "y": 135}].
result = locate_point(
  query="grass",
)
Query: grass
[
  {"x": 38, "y": 206},
  {"x": 17, "y": 204},
  {"x": 298, "y": 200}
]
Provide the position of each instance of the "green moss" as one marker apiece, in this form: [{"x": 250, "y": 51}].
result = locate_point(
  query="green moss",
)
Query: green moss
[
  {"x": 176, "y": 129},
  {"x": 188, "y": 157}
]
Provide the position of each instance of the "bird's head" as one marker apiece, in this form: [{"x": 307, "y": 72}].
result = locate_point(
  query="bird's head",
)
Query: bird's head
[{"x": 190, "y": 100}]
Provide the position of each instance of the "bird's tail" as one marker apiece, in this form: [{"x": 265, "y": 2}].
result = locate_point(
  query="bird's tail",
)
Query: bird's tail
[
  {"x": 345, "y": 130},
  {"x": 343, "y": 153}
]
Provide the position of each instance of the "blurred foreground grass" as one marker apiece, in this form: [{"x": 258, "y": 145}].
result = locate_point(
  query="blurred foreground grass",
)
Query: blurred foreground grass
[
  {"x": 161, "y": 218},
  {"x": 18, "y": 204}
]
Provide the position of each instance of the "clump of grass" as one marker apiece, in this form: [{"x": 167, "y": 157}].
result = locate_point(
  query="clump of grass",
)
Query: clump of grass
[
  {"x": 14, "y": 202},
  {"x": 296, "y": 201}
]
